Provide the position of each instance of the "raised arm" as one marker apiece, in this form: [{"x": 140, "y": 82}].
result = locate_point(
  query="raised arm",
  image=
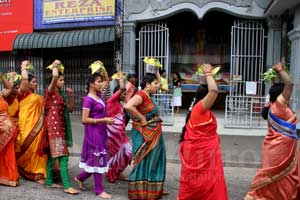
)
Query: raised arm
[
  {"x": 157, "y": 74},
  {"x": 7, "y": 86},
  {"x": 24, "y": 86},
  {"x": 121, "y": 81},
  {"x": 7, "y": 83},
  {"x": 55, "y": 75},
  {"x": 212, "y": 94},
  {"x": 105, "y": 81},
  {"x": 288, "y": 85}
]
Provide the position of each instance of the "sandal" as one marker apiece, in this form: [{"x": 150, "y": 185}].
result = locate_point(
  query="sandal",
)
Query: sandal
[
  {"x": 80, "y": 183},
  {"x": 105, "y": 195},
  {"x": 71, "y": 191}
]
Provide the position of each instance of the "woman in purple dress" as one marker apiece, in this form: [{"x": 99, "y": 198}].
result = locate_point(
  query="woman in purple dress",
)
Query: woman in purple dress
[{"x": 94, "y": 156}]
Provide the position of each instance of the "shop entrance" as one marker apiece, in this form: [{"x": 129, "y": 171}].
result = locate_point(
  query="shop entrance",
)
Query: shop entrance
[{"x": 193, "y": 42}]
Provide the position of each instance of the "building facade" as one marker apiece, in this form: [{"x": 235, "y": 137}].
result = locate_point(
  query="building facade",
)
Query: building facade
[
  {"x": 75, "y": 32},
  {"x": 244, "y": 37}
]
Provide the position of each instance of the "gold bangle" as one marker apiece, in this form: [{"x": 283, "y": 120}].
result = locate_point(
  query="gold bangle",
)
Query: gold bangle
[{"x": 208, "y": 74}]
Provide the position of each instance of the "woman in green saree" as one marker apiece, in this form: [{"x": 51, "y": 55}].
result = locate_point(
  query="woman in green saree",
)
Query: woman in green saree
[{"x": 147, "y": 178}]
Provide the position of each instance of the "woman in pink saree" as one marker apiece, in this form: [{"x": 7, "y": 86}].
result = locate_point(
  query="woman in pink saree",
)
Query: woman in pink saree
[
  {"x": 120, "y": 150},
  {"x": 278, "y": 176}
]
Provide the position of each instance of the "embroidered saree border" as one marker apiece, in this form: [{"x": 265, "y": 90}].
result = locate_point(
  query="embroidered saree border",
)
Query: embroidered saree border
[
  {"x": 144, "y": 150},
  {"x": 145, "y": 190},
  {"x": 32, "y": 135},
  {"x": 7, "y": 130},
  {"x": 274, "y": 178},
  {"x": 9, "y": 183},
  {"x": 31, "y": 176}
]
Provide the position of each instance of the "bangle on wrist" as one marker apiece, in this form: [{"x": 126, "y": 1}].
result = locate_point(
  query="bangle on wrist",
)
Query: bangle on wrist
[
  {"x": 208, "y": 74},
  {"x": 95, "y": 121}
]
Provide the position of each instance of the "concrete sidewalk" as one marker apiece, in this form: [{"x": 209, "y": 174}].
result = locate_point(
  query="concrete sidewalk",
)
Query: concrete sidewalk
[{"x": 179, "y": 121}]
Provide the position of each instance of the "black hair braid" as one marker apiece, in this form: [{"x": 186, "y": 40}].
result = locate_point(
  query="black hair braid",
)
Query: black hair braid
[{"x": 201, "y": 92}]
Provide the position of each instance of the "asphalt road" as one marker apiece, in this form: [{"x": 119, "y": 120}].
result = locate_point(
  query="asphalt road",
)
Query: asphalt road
[{"x": 238, "y": 180}]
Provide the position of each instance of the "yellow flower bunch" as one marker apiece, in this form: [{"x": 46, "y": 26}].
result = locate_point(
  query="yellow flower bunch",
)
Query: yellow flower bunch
[
  {"x": 116, "y": 76},
  {"x": 97, "y": 66},
  {"x": 17, "y": 78},
  {"x": 61, "y": 68},
  {"x": 214, "y": 71},
  {"x": 152, "y": 61},
  {"x": 271, "y": 74}
]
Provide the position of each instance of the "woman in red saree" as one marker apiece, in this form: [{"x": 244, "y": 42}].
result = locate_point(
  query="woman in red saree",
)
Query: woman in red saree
[
  {"x": 202, "y": 175},
  {"x": 278, "y": 176},
  {"x": 8, "y": 132}
]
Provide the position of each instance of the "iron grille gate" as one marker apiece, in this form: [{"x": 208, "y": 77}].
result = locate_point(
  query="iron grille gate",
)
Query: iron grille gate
[
  {"x": 154, "y": 42},
  {"x": 245, "y": 100}
]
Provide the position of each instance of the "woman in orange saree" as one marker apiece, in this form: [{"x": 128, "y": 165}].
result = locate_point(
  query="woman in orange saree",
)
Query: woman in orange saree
[
  {"x": 31, "y": 130},
  {"x": 278, "y": 176},
  {"x": 8, "y": 132},
  {"x": 202, "y": 175}
]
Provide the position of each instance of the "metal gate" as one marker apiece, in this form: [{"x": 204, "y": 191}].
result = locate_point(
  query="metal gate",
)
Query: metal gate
[
  {"x": 245, "y": 100},
  {"x": 154, "y": 42}
]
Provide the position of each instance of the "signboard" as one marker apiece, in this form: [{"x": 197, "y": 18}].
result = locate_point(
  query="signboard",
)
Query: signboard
[
  {"x": 58, "y": 14},
  {"x": 16, "y": 17},
  {"x": 59, "y": 11}
]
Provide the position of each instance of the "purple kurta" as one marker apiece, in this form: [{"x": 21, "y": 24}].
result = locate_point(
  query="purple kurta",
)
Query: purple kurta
[{"x": 94, "y": 148}]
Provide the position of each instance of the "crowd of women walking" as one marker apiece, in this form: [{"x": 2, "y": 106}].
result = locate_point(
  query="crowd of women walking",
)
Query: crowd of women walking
[{"x": 35, "y": 133}]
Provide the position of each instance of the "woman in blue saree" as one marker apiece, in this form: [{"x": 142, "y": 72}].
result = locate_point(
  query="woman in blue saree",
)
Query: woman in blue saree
[{"x": 147, "y": 178}]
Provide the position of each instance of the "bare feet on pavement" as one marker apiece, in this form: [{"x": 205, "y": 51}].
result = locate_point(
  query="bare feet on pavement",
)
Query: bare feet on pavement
[
  {"x": 105, "y": 195},
  {"x": 71, "y": 191},
  {"x": 80, "y": 183},
  {"x": 54, "y": 185}
]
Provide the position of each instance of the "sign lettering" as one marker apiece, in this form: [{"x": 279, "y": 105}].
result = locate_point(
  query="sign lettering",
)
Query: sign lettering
[{"x": 77, "y": 10}]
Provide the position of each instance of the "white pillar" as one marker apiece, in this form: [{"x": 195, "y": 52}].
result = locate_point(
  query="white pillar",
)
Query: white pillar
[{"x": 129, "y": 47}]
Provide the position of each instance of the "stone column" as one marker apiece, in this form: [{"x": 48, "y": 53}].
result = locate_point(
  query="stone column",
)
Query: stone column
[
  {"x": 273, "y": 44},
  {"x": 129, "y": 47},
  {"x": 274, "y": 40},
  {"x": 294, "y": 36}
]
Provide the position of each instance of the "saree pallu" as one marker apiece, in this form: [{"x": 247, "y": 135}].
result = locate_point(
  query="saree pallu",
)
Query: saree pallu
[
  {"x": 146, "y": 180},
  {"x": 13, "y": 109},
  {"x": 8, "y": 166},
  {"x": 278, "y": 177},
  {"x": 31, "y": 127},
  {"x": 120, "y": 150},
  {"x": 202, "y": 175}
]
